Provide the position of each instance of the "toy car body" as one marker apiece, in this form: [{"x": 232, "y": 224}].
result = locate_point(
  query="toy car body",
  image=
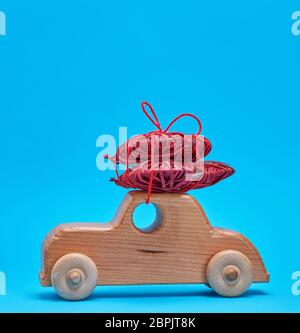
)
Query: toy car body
[{"x": 180, "y": 247}]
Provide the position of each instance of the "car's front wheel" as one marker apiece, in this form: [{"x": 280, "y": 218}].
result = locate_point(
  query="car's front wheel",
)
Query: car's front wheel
[
  {"x": 229, "y": 273},
  {"x": 74, "y": 276}
]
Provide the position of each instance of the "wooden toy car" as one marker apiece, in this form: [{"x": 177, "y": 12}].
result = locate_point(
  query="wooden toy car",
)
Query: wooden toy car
[{"x": 180, "y": 247}]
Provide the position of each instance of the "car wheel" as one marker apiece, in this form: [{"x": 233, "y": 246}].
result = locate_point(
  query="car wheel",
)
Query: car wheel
[
  {"x": 74, "y": 276},
  {"x": 229, "y": 273}
]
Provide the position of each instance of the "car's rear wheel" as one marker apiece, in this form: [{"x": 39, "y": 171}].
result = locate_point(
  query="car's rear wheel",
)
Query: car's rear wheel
[
  {"x": 74, "y": 276},
  {"x": 229, "y": 273}
]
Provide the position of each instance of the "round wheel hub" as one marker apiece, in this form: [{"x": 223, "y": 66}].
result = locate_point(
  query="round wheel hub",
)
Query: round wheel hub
[
  {"x": 231, "y": 273},
  {"x": 74, "y": 278}
]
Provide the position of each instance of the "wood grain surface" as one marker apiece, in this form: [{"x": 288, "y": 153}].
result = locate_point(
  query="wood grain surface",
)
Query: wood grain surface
[{"x": 176, "y": 251}]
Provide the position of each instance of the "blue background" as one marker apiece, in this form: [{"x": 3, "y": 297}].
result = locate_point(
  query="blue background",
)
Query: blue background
[{"x": 73, "y": 70}]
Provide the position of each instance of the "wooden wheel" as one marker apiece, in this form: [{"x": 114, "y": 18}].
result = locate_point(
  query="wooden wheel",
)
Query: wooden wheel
[
  {"x": 74, "y": 276},
  {"x": 229, "y": 273}
]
